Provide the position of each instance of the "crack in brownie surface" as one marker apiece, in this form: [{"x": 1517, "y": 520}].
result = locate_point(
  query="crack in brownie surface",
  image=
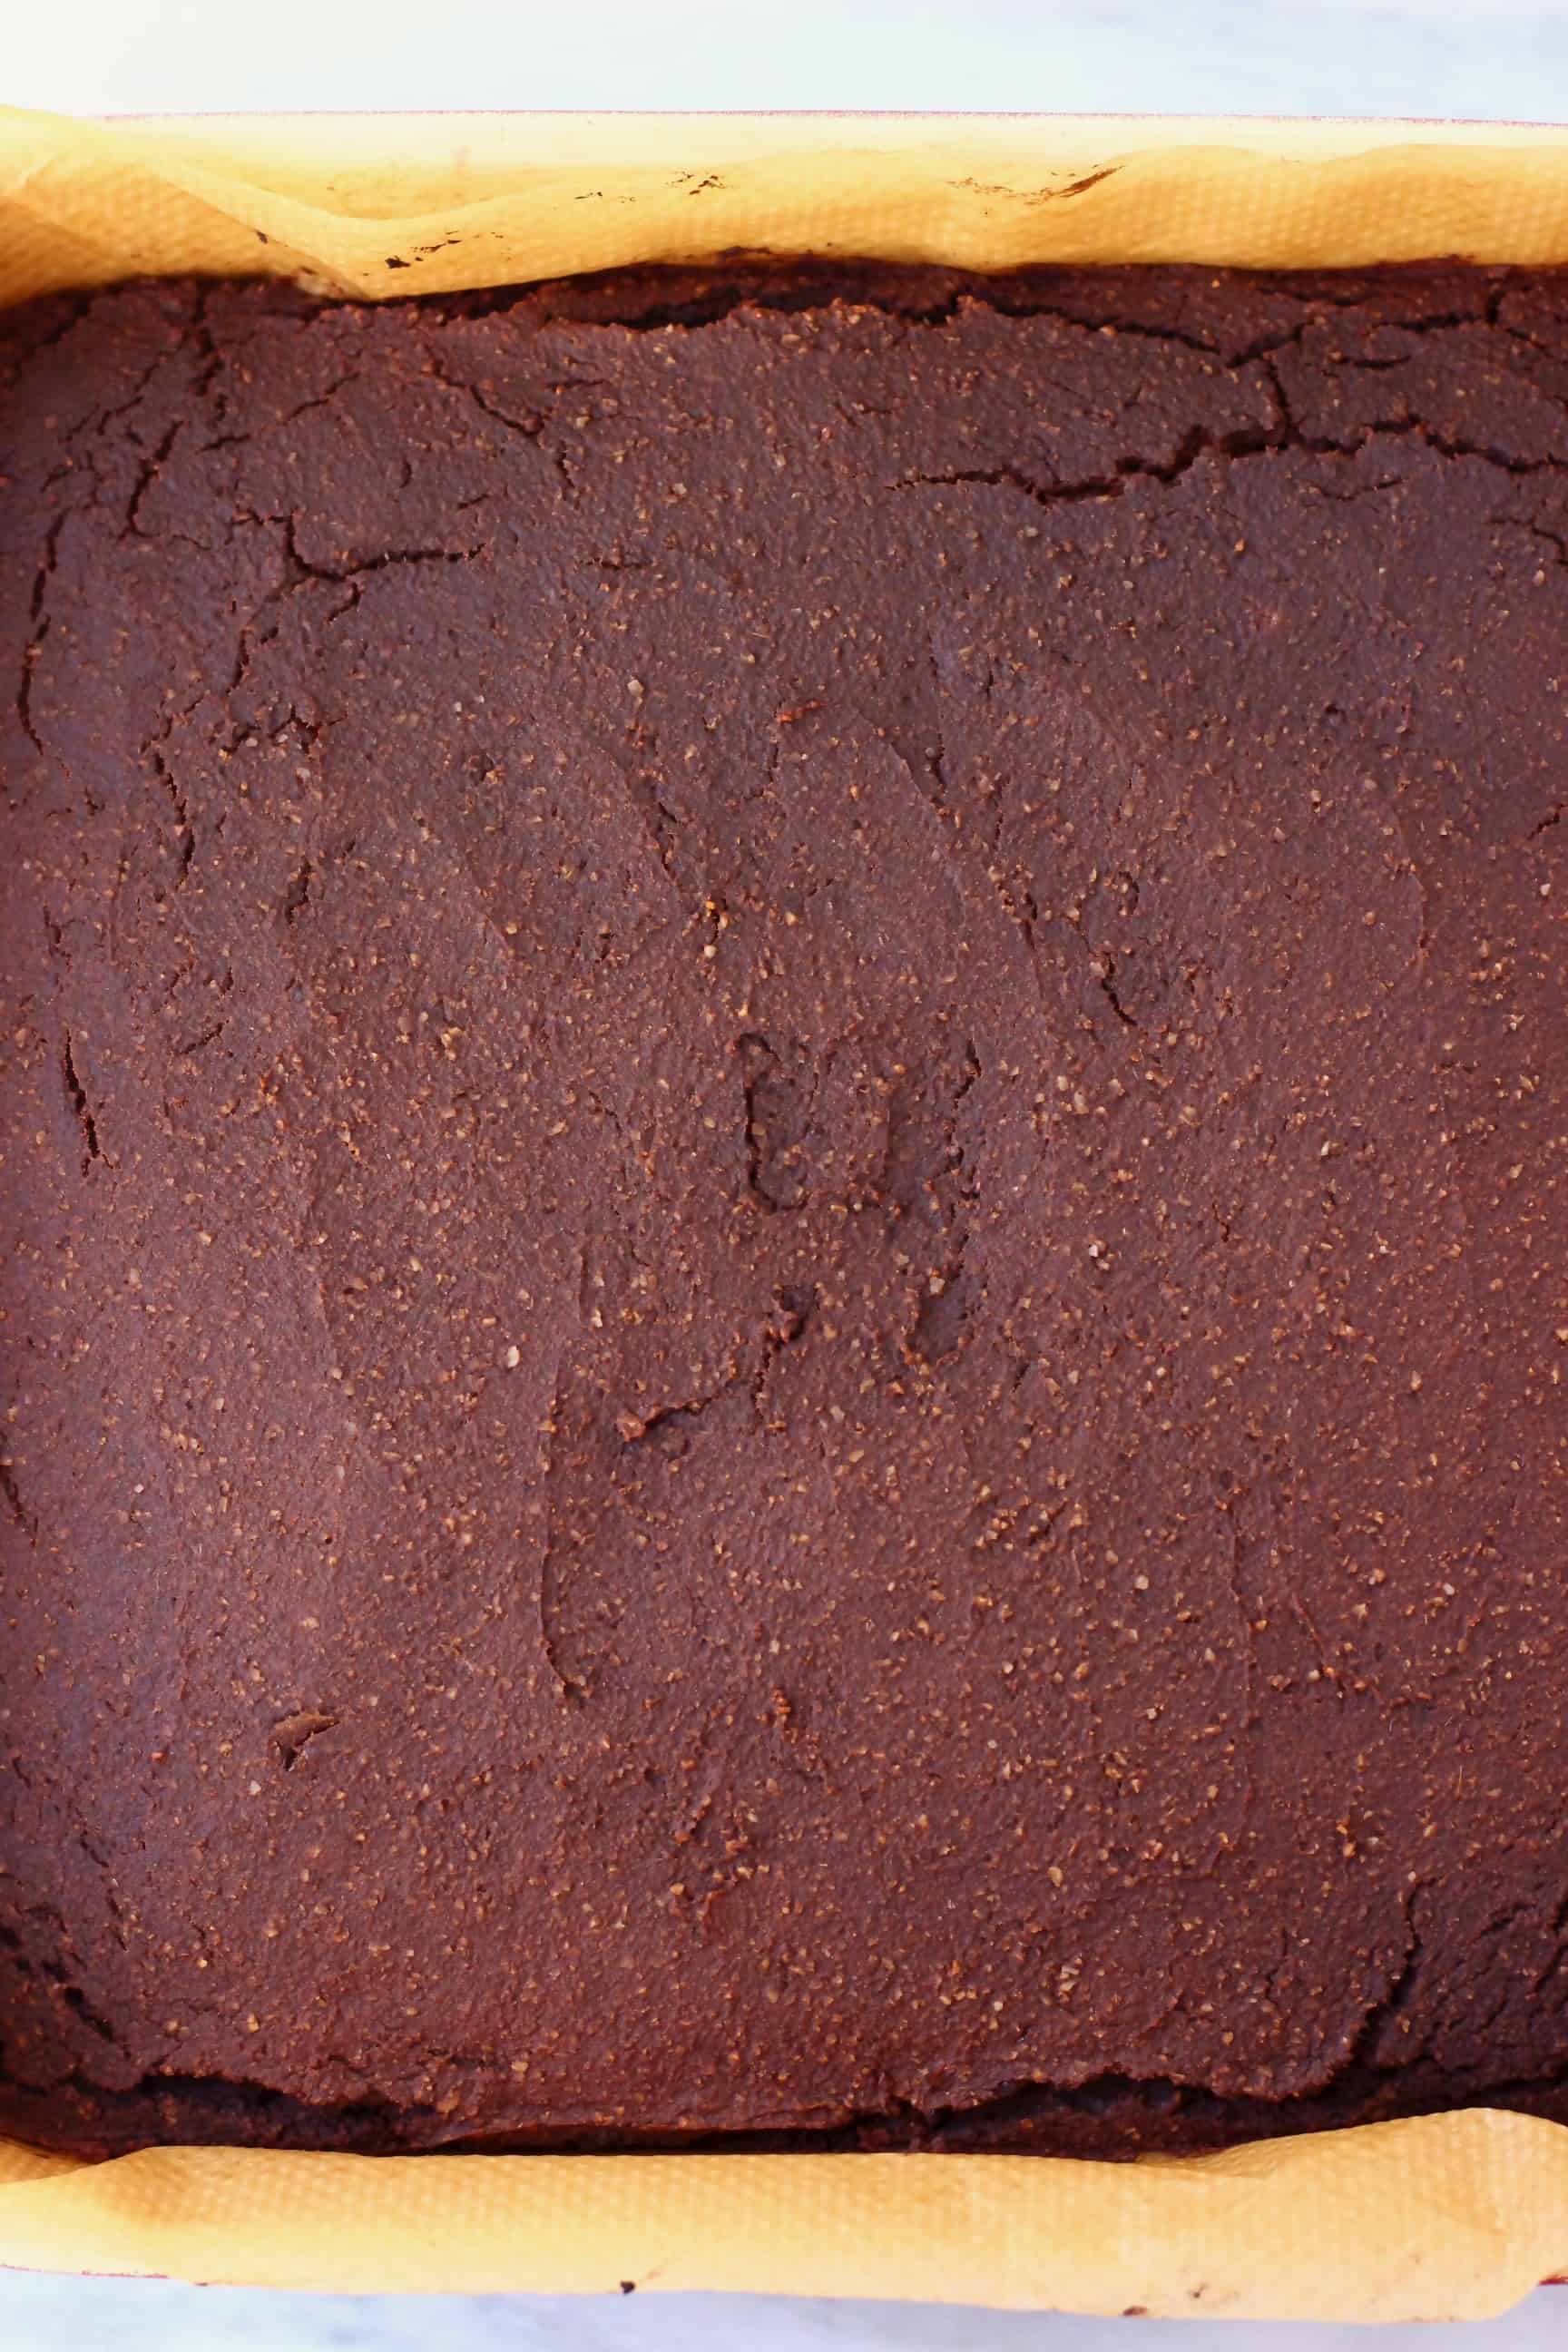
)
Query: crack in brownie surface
[{"x": 784, "y": 1289}]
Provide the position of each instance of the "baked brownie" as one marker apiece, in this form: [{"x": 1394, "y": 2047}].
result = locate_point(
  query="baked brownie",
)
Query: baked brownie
[{"x": 785, "y": 1190}]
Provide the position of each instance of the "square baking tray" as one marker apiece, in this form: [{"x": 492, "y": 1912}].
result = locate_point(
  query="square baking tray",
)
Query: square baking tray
[{"x": 1471, "y": 2208}]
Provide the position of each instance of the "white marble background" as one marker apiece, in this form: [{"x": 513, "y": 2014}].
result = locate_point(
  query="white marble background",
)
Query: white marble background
[
  {"x": 1226, "y": 56},
  {"x": 1315, "y": 57}
]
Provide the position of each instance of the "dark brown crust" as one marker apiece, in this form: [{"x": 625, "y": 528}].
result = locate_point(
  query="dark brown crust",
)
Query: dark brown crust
[{"x": 783, "y": 1277}]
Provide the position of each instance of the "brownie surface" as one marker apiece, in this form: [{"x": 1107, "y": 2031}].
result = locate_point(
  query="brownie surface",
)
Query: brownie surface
[{"x": 785, "y": 1132}]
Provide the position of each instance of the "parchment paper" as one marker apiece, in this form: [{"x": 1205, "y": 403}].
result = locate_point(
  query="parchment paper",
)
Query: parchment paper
[{"x": 1453, "y": 2216}]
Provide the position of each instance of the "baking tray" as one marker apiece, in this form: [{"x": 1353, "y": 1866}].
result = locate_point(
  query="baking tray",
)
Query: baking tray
[{"x": 1467, "y": 2212}]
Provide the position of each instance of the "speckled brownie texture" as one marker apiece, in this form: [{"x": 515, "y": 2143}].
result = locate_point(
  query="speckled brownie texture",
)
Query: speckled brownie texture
[{"x": 785, "y": 1196}]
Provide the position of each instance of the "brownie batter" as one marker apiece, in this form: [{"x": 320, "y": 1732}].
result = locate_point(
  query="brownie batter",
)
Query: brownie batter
[{"x": 784, "y": 1285}]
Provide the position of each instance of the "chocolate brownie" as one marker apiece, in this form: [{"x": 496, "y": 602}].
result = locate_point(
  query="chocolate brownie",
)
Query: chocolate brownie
[{"x": 785, "y": 1210}]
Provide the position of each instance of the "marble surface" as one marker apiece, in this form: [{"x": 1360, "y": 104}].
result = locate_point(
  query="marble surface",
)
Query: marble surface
[
  {"x": 1242, "y": 56},
  {"x": 1316, "y": 56},
  {"x": 38, "y": 2314}
]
